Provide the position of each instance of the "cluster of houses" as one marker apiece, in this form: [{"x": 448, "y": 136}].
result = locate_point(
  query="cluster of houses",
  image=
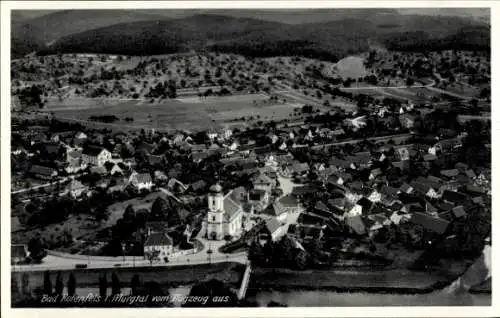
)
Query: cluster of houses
[{"x": 363, "y": 203}]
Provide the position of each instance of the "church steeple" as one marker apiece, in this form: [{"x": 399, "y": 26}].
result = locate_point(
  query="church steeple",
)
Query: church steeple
[{"x": 216, "y": 198}]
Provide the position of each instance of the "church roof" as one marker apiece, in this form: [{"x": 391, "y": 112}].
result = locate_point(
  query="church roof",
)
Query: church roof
[{"x": 231, "y": 208}]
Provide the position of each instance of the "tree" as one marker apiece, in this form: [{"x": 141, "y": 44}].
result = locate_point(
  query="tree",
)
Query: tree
[
  {"x": 36, "y": 249},
  {"x": 71, "y": 286},
  {"x": 25, "y": 284},
  {"x": 103, "y": 286},
  {"x": 301, "y": 260},
  {"x": 59, "y": 287},
  {"x": 47, "y": 284},
  {"x": 410, "y": 81},
  {"x": 135, "y": 283},
  {"x": 152, "y": 255},
  {"x": 115, "y": 284}
]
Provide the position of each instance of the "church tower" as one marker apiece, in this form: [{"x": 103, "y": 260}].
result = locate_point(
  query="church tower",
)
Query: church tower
[{"x": 215, "y": 216}]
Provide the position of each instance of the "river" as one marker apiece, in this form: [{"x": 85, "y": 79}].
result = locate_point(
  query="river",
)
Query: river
[{"x": 454, "y": 295}]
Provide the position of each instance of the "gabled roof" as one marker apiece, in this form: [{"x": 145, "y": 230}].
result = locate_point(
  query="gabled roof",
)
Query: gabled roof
[
  {"x": 17, "y": 251},
  {"x": 339, "y": 162},
  {"x": 231, "y": 208},
  {"x": 451, "y": 173},
  {"x": 356, "y": 224},
  {"x": 420, "y": 187},
  {"x": 430, "y": 157},
  {"x": 41, "y": 170},
  {"x": 458, "y": 211},
  {"x": 158, "y": 239},
  {"x": 437, "y": 225},
  {"x": 405, "y": 187},
  {"x": 272, "y": 225},
  {"x": 470, "y": 173},
  {"x": 455, "y": 197},
  {"x": 92, "y": 151},
  {"x": 261, "y": 179},
  {"x": 321, "y": 207},
  {"x": 143, "y": 178}
]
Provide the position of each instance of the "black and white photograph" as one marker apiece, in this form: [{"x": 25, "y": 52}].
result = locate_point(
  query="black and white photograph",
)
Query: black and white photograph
[{"x": 249, "y": 157}]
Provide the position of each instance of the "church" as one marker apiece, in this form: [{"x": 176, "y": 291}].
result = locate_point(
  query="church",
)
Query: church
[{"x": 225, "y": 216}]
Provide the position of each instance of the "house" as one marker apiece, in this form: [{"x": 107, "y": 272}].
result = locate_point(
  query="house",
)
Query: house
[
  {"x": 448, "y": 145},
  {"x": 285, "y": 206},
  {"x": 454, "y": 197},
  {"x": 178, "y": 139},
  {"x": 159, "y": 243},
  {"x": 259, "y": 199},
  {"x": 199, "y": 186},
  {"x": 402, "y": 153},
  {"x": 356, "y": 224},
  {"x": 15, "y": 224},
  {"x": 117, "y": 185},
  {"x": 113, "y": 168},
  {"x": 18, "y": 253},
  {"x": 224, "y": 217},
  {"x": 272, "y": 230},
  {"x": 141, "y": 181},
  {"x": 97, "y": 156},
  {"x": 458, "y": 211},
  {"x": 425, "y": 189},
  {"x": 299, "y": 168},
  {"x": 352, "y": 209},
  {"x": 375, "y": 196},
  {"x": 430, "y": 157},
  {"x": 81, "y": 136},
  {"x": 339, "y": 163},
  {"x": 434, "y": 224},
  {"x": 41, "y": 172},
  {"x": 75, "y": 188},
  {"x": 388, "y": 194},
  {"x": 375, "y": 173},
  {"x": 263, "y": 182},
  {"x": 339, "y": 178},
  {"x": 160, "y": 175},
  {"x": 99, "y": 170},
  {"x": 406, "y": 188},
  {"x": 407, "y": 120},
  {"x": 212, "y": 134},
  {"x": 450, "y": 174}
]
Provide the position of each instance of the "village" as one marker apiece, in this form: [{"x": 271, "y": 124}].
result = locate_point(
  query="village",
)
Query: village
[{"x": 336, "y": 188}]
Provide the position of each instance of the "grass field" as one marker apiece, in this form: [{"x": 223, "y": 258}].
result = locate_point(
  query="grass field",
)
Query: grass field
[
  {"x": 352, "y": 66},
  {"x": 182, "y": 113}
]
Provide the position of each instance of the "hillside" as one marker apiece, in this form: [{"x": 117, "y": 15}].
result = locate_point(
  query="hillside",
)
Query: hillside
[
  {"x": 46, "y": 28},
  {"x": 331, "y": 40}
]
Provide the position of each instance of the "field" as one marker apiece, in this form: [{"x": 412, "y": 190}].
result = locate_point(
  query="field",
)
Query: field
[
  {"x": 352, "y": 67},
  {"x": 182, "y": 113}
]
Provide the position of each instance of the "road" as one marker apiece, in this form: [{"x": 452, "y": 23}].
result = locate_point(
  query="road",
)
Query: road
[
  {"x": 46, "y": 184},
  {"x": 400, "y": 137},
  {"x": 53, "y": 262},
  {"x": 396, "y": 87}
]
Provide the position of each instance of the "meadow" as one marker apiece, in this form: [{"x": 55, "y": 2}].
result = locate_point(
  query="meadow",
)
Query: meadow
[{"x": 182, "y": 113}]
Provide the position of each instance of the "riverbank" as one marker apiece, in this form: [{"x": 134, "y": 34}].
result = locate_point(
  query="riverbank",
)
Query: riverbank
[
  {"x": 228, "y": 272},
  {"x": 400, "y": 281},
  {"x": 482, "y": 288}
]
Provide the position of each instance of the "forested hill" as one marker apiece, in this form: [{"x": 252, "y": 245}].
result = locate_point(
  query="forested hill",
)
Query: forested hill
[{"x": 330, "y": 40}]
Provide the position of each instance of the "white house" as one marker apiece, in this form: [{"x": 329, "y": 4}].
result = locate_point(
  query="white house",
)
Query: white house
[
  {"x": 353, "y": 210},
  {"x": 97, "y": 156},
  {"x": 76, "y": 188},
  {"x": 375, "y": 196},
  {"x": 224, "y": 215},
  {"x": 141, "y": 181},
  {"x": 274, "y": 229},
  {"x": 159, "y": 243}
]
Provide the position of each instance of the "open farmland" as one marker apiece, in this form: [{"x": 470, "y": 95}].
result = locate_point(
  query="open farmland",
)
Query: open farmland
[{"x": 182, "y": 113}]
